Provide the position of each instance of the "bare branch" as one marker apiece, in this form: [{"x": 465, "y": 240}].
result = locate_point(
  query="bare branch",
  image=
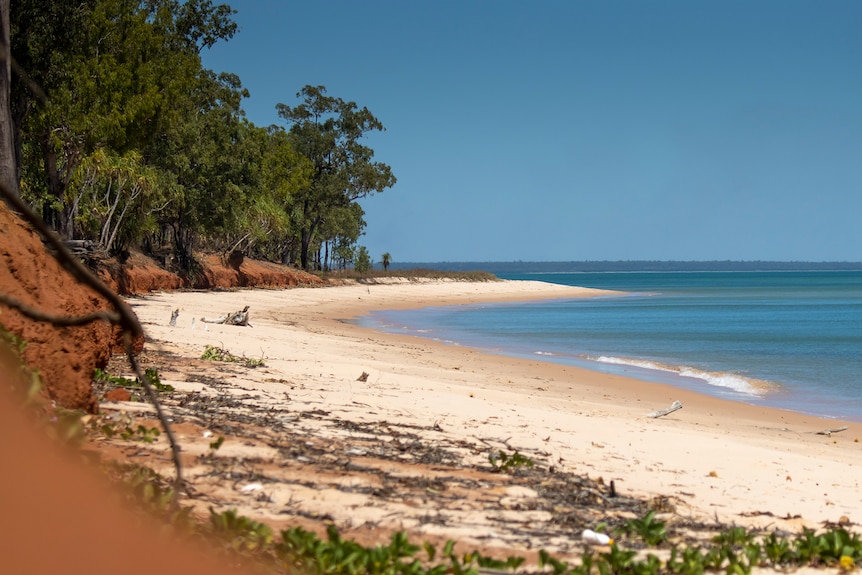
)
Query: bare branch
[
  {"x": 151, "y": 393},
  {"x": 58, "y": 320},
  {"x": 661, "y": 413}
]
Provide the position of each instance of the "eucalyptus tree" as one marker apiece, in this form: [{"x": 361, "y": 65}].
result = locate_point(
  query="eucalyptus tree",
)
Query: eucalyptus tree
[
  {"x": 342, "y": 230},
  {"x": 327, "y": 131}
]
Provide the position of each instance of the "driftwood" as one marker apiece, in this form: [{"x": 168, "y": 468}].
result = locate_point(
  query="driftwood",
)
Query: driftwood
[
  {"x": 674, "y": 406},
  {"x": 235, "y": 318},
  {"x": 828, "y": 432},
  {"x": 81, "y": 247}
]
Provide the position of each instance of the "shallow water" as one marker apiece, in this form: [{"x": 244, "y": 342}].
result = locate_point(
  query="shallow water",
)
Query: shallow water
[{"x": 791, "y": 340}]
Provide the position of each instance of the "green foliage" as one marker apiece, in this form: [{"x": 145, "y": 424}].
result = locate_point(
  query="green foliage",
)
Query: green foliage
[
  {"x": 370, "y": 275},
  {"x": 213, "y": 353},
  {"x": 117, "y": 199},
  {"x": 151, "y": 374},
  {"x": 778, "y": 550},
  {"x": 327, "y": 131},
  {"x": 362, "y": 261},
  {"x": 68, "y": 427},
  {"x": 153, "y": 494},
  {"x": 304, "y": 551},
  {"x": 112, "y": 83},
  {"x": 125, "y": 139},
  {"x": 839, "y": 543},
  {"x": 100, "y": 375},
  {"x": 123, "y": 426},
  {"x": 734, "y": 537},
  {"x": 653, "y": 531},
  {"x": 831, "y": 547},
  {"x": 15, "y": 342},
  {"x": 733, "y": 551},
  {"x": 156, "y": 381},
  {"x": 687, "y": 560},
  {"x": 244, "y": 535},
  {"x": 30, "y": 378},
  {"x": 505, "y": 463}
]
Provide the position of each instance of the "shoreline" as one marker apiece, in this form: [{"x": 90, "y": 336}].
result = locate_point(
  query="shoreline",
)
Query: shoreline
[
  {"x": 716, "y": 458},
  {"x": 751, "y": 391}
]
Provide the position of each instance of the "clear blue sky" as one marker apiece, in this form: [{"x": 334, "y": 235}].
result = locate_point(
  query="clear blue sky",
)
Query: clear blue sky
[{"x": 585, "y": 130}]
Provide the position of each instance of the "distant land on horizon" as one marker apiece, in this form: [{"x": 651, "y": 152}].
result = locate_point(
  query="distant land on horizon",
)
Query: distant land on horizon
[{"x": 524, "y": 267}]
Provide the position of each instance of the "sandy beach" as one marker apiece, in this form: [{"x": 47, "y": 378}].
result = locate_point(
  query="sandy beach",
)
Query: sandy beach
[{"x": 369, "y": 409}]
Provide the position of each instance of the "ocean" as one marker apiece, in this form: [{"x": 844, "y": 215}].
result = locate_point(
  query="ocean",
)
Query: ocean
[{"x": 790, "y": 340}]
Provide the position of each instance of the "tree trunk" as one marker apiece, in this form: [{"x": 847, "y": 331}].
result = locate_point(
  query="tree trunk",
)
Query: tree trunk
[
  {"x": 8, "y": 167},
  {"x": 52, "y": 215},
  {"x": 303, "y": 249}
]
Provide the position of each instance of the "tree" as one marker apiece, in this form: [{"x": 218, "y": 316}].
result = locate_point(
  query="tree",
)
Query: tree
[
  {"x": 362, "y": 261},
  {"x": 44, "y": 35},
  {"x": 327, "y": 130},
  {"x": 386, "y": 258},
  {"x": 115, "y": 198},
  {"x": 8, "y": 170},
  {"x": 213, "y": 160},
  {"x": 112, "y": 72},
  {"x": 283, "y": 172}
]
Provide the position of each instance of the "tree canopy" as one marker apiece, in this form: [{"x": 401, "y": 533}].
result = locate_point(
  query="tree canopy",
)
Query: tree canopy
[
  {"x": 121, "y": 136},
  {"x": 327, "y": 131}
]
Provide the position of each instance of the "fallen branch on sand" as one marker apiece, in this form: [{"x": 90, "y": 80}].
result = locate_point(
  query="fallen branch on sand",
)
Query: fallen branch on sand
[
  {"x": 673, "y": 407},
  {"x": 829, "y": 432},
  {"x": 235, "y": 318}
]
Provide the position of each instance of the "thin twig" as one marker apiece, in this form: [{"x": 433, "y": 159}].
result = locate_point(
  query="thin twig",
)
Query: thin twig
[
  {"x": 58, "y": 320},
  {"x": 126, "y": 319},
  {"x": 151, "y": 393},
  {"x": 25, "y": 78}
]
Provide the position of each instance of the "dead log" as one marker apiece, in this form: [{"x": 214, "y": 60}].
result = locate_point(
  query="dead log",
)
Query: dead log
[
  {"x": 661, "y": 413},
  {"x": 828, "y": 432},
  {"x": 236, "y": 318}
]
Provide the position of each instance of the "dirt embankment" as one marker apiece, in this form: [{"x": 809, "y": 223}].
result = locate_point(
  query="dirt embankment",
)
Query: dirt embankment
[
  {"x": 66, "y": 357},
  {"x": 140, "y": 274}
]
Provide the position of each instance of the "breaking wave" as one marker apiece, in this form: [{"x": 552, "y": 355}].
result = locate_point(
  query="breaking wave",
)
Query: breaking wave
[{"x": 726, "y": 379}]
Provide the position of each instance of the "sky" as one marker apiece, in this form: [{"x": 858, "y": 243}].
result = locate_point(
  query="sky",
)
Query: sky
[{"x": 568, "y": 130}]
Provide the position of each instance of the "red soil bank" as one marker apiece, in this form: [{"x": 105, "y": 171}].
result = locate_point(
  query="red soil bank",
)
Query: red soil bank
[{"x": 66, "y": 357}]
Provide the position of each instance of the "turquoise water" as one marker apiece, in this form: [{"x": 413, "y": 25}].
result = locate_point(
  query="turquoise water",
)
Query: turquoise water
[{"x": 791, "y": 340}]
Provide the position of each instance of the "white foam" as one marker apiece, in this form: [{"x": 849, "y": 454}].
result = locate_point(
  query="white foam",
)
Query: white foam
[{"x": 726, "y": 379}]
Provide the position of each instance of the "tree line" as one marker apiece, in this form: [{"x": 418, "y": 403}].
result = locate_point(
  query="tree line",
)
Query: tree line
[{"x": 122, "y": 137}]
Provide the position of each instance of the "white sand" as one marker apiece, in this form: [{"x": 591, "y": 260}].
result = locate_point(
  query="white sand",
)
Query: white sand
[{"x": 714, "y": 458}]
